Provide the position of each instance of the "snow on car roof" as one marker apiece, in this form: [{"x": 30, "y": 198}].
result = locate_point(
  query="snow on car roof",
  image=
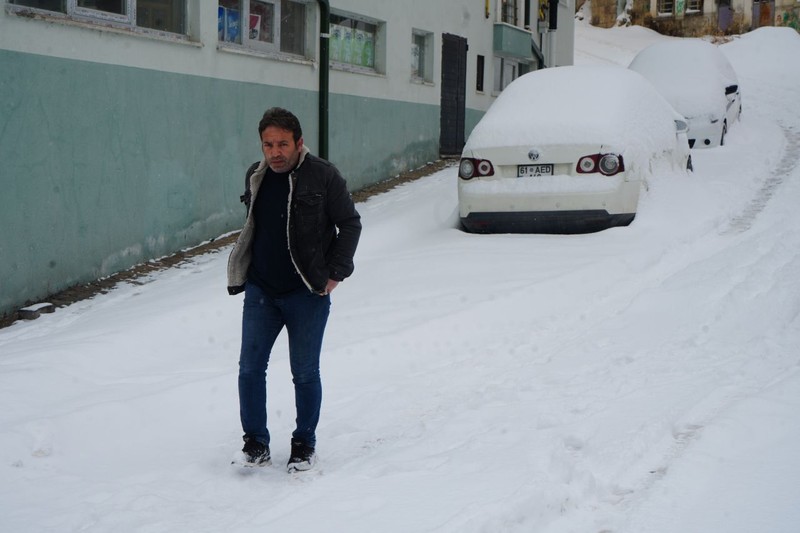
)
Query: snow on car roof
[
  {"x": 691, "y": 73},
  {"x": 607, "y": 105}
]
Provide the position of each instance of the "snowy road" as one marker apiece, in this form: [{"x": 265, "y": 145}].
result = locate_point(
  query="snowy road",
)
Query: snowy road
[{"x": 640, "y": 379}]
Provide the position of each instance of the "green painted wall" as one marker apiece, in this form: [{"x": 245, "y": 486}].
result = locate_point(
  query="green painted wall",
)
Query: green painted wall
[
  {"x": 373, "y": 139},
  {"x": 471, "y": 119},
  {"x": 103, "y": 167},
  {"x": 512, "y": 41}
]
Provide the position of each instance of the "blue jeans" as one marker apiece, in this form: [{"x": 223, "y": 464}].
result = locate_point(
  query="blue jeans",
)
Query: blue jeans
[{"x": 304, "y": 314}]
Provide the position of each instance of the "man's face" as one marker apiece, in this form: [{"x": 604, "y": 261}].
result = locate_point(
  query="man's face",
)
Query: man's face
[{"x": 280, "y": 150}]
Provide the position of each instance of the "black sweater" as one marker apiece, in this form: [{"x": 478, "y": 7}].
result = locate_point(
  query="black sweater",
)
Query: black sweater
[{"x": 271, "y": 267}]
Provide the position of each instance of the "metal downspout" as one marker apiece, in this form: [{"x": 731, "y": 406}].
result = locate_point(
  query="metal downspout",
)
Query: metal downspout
[
  {"x": 324, "y": 67},
  {"x": 538, "y": 53}
]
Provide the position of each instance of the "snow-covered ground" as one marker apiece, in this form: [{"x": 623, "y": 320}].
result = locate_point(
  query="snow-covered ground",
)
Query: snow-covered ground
[{"x": 641, "y": 379}]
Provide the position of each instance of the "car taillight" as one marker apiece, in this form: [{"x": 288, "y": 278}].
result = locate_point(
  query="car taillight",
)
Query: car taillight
[
  {"x": 606, "y": 164},
  {"x": 587, "y": 164},
  {"x": 470, "y": 168},
  {"x": 609, "y": 164}
]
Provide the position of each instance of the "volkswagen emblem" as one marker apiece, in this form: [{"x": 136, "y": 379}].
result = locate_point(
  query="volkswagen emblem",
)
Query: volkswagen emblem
[{"x": 533, "y": 155}]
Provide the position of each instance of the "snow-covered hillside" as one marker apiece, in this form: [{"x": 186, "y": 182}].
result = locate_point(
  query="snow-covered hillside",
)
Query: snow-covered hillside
[{"x": 641, "y": 379}]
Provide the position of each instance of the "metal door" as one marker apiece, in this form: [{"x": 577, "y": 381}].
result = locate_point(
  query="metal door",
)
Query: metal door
[
  {"x": 724, "y": 15},
  {"x": 762, "y": 13},
  {"x": 454, "y": 91}
]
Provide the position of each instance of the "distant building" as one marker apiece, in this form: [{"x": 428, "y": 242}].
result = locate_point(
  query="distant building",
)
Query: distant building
[
  {"x": 126, "y": 125},
  {"x": 694, "y": 18}
]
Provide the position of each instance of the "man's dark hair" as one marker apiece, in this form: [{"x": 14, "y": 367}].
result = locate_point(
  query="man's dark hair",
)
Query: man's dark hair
[{"x": 281, "y": 118}]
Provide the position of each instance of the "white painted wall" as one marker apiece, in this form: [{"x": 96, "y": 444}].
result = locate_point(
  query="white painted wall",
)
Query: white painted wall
[
  {"x": 200, "y": 54},
  {"x": 465, "y": 19}
]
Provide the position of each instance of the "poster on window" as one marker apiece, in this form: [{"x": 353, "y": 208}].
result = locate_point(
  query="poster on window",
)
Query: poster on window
[
  {"x": 347, "y": 43},
  {"x": 335, "y": 48},
  {"x": 255, "y": 27},
  {"x": 232, "y": 25},
  {"x": 221, "y": 23},
  {"x": 358, "y": 48},
  {"x": 369, "y": 50}
]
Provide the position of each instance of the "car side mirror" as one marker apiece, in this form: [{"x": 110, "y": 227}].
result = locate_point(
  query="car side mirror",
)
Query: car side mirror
[
  {"x": 730, "y": 89},
  {"x": 681, "y": 126}
]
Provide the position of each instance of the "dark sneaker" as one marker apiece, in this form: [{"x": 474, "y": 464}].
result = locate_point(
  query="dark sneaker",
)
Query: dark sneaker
[
  {"x": 302, "y": 458},
  {"x": 255, "y": 453}
]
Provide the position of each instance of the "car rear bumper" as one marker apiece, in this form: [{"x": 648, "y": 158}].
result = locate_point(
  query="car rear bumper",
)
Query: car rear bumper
[
  {"x": 554, "y": 194},
  {"x": 553, "y": 222},
  {"x": 538, "y": 206},
  {"x": 704, "y": 134}
]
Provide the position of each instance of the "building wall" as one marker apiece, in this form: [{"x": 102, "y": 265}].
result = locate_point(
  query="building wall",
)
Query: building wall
[
  {"x": 565, "y": 35},
  {"x": 118, "y": 147},
  {"x": 604, "y": 13},
  {"x": 361, "y": 137},
  {"x": 703, "y": 22},
  {"x": 747, "y": 15},
  {"x": 787, "y": 13}
]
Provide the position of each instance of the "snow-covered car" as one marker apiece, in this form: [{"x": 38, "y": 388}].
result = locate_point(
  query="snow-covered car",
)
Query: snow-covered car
[
  {"x": 699, "y": 82},
  {"x": 566, "y": 150}
]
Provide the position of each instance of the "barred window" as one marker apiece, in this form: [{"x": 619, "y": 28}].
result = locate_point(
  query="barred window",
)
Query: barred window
[
  {"x": 509, "y": 12},
  {"x": 666, "y": 7}
]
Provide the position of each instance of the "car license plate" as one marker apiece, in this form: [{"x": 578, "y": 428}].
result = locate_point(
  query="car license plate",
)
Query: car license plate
[{"x": 523, "y": 171}]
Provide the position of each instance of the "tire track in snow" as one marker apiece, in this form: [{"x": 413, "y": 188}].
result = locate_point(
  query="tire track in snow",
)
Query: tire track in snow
[{"x": 788, "y": 162}]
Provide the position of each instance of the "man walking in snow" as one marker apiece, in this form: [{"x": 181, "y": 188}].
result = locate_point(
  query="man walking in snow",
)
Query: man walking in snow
[{"x": 297, "y": 244}]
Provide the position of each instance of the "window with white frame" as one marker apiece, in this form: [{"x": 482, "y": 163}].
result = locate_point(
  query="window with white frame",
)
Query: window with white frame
[
  {"x": 161, "y": 15},
  {"x": 508, "y": 12},
  {"x": 422, "y": 56},
  {"x": 354, "y": 41},
  {"x": 665, "y": 7},
  {"x": 267, "y": 25},
  {"x": 505, "y": 71},
  {"x": 694, "y": 6}
]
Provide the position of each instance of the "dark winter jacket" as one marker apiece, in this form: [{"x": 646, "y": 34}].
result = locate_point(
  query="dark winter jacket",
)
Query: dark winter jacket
[{"x": 323, "y": 225}]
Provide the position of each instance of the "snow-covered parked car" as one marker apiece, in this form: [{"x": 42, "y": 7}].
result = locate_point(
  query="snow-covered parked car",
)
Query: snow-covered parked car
[
  {"x": 565, "y": 150},
  {"x": 699, "y": 82}
]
